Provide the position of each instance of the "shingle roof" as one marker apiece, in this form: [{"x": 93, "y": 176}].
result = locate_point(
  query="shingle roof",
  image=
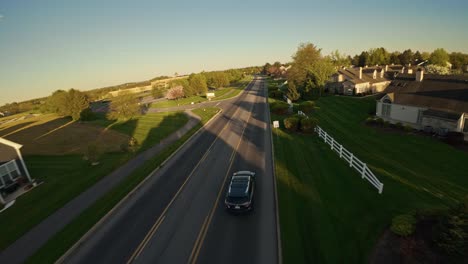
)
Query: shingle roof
[{"x": 442, "y": 93}]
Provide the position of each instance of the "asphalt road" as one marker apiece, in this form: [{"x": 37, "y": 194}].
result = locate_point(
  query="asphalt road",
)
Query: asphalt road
[{"x": 178, "y": 216}]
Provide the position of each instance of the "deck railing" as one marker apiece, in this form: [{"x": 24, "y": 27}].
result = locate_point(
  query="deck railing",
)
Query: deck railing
[{"x": 353, "y": 161}]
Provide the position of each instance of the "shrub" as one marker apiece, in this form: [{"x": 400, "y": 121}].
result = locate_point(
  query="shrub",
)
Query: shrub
[
  {"x": 386, "y": 124},
  {"x": 307, "y": 125},
  {"x": 280, "y": 108},
  {"x": 403, "y": 225},
  {"x": 276, "y": 94},
  {"x": 370, "y": 121},
  {"x": 407, "y": 128},
  {"x": 291, "y": 123},
  {"x": 451, "y": 232},
  {"x": 399, "y": 125},
  {"x": 379, "y": 121},
  {"x": 307, "y": 107}
]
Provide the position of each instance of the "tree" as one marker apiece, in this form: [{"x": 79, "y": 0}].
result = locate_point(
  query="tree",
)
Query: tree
[
  {"x": 266, "y": 67},
  {"x": 125, "y": 106},
  {"x": 292, "y": 92},
  {"x": 378, "y": 56},
  {"x": 218, "y": 80},
  {"x": 425, "y": 55},
  {"x": 198, "y": 83},
  {"x": 76, "y": 102},
  {"x": 406, "y": 57},
  {"x": 158, "y": 91},
  {"x": 395, "y": 57},
  {"x": 306, "y": 55},
  {"x": 363, "y": 59},
  {"x": 184, "y": 83},
  {"x": 436, "y": 69},
  {"x": 338, "y": 59},
  {"x": 175, "y": 93},
  {"x": 418, "y": 58},
  {"x": 439, "y": 57},
  {"x": 458, "y": 59}
]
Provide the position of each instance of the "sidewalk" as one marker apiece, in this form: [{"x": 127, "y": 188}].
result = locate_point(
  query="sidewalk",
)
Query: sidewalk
[{"x": 29, "y": 243}]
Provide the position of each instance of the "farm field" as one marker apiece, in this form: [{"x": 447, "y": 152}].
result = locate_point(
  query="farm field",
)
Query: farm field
[
  {"x": 328, "y": 214},
  {"x": 67, "y": 175}
]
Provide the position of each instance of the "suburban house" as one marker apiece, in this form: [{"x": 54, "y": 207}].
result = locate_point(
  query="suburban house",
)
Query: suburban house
[
  {"x": 13, "y": 170},
  {"x": 359, "y": 80},
  {"x": 436, "y": 103}
]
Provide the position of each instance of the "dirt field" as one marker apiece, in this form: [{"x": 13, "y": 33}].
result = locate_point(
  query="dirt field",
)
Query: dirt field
[{"x": 52, "y": 135}]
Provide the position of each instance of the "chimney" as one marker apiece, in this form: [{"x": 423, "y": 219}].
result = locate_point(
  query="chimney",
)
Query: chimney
[
  {"x": 360, "y": 72},
  {"x": 402, "y": 69},
  {"x": 374, "y": 75},
  {"x": 419, "y": 75},
  {"x": 382, "y": 72},
  {"x": 386, "y": 68}
]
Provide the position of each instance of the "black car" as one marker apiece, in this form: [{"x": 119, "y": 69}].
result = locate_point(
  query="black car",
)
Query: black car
[{"x": 239, "y": 196}]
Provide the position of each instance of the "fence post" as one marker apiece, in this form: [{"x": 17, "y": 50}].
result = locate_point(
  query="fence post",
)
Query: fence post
[
  {"x": 363, "y": 172},
  {"x": 341, "y": 151},
  {"x": 332, "y": 142},
  {"x": 325, "y": 137},
  {"x": 351, "y": 160}
]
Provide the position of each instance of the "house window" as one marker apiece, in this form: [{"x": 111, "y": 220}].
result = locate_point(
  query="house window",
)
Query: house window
[
  {"x": 465, "y": 126},
  {"x": 386, "y": 109}
]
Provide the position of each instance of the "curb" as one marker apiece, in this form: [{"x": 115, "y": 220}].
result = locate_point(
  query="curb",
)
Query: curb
[
  {"x": 77, "y": 244},
  {"x": 278, "y": 229}
]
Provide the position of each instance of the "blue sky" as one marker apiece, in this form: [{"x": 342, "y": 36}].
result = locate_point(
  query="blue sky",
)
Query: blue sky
[{"x": 48, "y": 45}]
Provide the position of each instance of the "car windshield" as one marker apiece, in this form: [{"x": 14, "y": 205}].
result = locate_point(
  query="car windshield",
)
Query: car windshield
[{"x": 237, "y": 199}]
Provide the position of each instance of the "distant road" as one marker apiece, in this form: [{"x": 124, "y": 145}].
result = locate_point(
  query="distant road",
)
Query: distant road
[{"x": 179, "y": 215}]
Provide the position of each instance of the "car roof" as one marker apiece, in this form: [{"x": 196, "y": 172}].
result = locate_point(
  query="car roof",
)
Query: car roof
[{"x": 239, "y": 186}]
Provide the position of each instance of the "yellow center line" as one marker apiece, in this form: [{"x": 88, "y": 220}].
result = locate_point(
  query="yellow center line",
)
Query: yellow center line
[
  {"x": 155, "y": 227},
  {"x": 204, "y": 230}
]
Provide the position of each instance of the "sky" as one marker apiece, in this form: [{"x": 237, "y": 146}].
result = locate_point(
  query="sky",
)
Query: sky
[{"x": 49, "y": 45}]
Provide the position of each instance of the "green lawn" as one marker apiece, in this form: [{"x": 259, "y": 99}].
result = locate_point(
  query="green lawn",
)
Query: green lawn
[
  {"x": 63, "y": 240},
  {"x": 220, "y": 94},
  {"x": 67, "y": 176},
  {"x": 328, "y": 214}
]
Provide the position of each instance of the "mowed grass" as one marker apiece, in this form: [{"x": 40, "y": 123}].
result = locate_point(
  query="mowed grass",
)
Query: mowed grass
[
  {"x": 63, "y": 240},
  {"x": 328, "y": 213},
  {"x": 66, "y": 176},
  {"x": 220, "y": 94}
]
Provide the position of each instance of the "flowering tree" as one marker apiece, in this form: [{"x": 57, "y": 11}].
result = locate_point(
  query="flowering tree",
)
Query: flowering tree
[{"x": 175, "y": 92}]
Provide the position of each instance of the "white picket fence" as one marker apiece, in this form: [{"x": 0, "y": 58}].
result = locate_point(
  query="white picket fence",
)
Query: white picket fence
[{"x": 353, "y": 161}]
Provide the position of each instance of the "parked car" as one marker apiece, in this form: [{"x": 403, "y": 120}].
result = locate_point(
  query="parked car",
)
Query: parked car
[{"x": 239, "y": 196}]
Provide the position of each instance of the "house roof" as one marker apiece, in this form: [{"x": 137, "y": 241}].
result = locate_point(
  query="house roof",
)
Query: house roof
[
  {"x": 10, "y": 143},
  {"x": 447, "y": 93},
  {"x": 352, "y": 75}
]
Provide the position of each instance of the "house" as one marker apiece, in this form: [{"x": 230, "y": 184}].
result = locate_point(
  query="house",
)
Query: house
[
  {"x": 437, "y": 103},
  {"x": 12, "y": 167},
  {"x": 358, "y": 80}
]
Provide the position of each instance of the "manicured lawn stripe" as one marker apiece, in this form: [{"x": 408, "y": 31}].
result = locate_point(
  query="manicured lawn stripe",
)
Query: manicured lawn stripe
[{"x": 328, "y": 213}]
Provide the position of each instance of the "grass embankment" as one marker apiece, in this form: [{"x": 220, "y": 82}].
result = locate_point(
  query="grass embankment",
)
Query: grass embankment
[
  {"x": 328, "y": 213},
  {"x": 66, "y": 176},
  {"x": 63, "y": 240},
  {"x": 220, "y": 94}
]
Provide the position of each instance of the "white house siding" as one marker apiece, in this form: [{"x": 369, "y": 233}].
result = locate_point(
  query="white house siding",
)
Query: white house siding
[
  {"x": 362, "y": 87},
  {"x": 378, "y": 110},
  {"x": 405, "y": 113},
  {"x": 379, "y": 87},
  {"x": 439, "y": 123}
]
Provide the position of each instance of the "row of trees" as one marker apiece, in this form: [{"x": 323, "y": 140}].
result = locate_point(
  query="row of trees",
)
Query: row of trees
[
  {"x": 380, "y": 56},
  {"x": 198, "y": 83}
]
